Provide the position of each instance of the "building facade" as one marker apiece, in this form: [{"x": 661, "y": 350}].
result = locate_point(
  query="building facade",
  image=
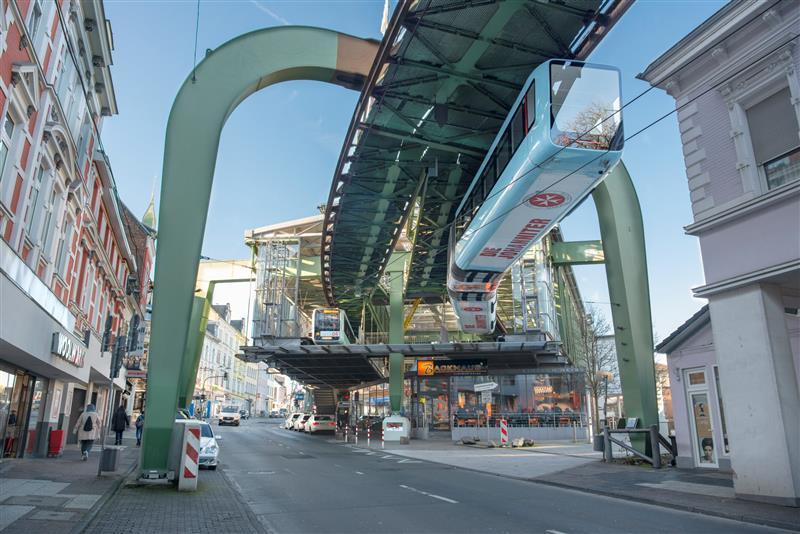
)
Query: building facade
[
  {"x": 66, "y": 263},
  {"x": 737, "y": 92}
]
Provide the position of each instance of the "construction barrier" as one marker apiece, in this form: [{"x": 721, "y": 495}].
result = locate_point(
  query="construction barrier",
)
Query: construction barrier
[
  {"x": 503, "y": 432},
  {"x": 190, "y": 458}
]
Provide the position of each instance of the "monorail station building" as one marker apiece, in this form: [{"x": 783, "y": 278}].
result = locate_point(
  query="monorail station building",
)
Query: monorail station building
[{"x": 538, "y": 389}]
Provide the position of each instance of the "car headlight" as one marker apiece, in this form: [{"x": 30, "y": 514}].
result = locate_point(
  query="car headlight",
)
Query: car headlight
[{"x": 211, "y": 449}]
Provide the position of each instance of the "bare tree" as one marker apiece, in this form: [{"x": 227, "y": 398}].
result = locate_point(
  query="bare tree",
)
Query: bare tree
[
  {"x": 593, "y": 127},
  {"x": 598, "y": 359}
]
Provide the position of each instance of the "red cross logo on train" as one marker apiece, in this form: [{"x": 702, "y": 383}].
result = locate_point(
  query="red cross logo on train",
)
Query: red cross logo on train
[{"x": 547, "y": 200}]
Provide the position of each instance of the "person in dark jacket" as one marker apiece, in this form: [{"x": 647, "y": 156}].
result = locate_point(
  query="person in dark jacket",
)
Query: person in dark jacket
[
  {"x": 139, "y": 428},
  {"x": 119, "y": 423}
]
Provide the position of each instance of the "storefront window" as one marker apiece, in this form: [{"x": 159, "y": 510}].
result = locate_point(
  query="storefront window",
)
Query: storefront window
[
  {"x": 703, "y": 432},
  {"x": 7, "y": 381}
]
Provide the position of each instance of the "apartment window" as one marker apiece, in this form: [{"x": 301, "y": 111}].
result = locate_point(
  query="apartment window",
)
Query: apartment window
[
  {"x": 34, "y": 206},
  {"x": 36, "y": 20},
  {"x": 49, "y": 222},
  {"x": 5, "y": 142},
  {"x": 776, "y": 143},
  {"x": 63, "y": 251}
]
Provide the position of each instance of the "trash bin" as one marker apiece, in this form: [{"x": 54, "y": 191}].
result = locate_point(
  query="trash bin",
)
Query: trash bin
[
  {"x": 109, "y": 459},
  {"x": 599, "y": 443},
  {"x": 56, "y": 445}
]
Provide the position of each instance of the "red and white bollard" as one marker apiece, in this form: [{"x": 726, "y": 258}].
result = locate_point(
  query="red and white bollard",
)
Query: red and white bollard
[
  {"x": 503, "y": 432},
  {"x": 383, "y": 439},
  {"x": 369, "y": 434},
  {"x": 190, "y": 458},
  {"x": 356, "y": 434},
  {"x": 346, "y": 433}
]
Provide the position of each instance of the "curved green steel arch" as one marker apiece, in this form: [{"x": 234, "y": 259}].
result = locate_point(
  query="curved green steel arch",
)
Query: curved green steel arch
[{"x": 221, "y": 81}]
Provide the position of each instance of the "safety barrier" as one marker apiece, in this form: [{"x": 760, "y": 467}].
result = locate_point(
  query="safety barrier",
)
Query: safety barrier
[{"x": 654, "y": 439}]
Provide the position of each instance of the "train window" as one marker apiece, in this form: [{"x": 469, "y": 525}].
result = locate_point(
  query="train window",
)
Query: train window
[
  {"x": 517, "y": 127},
  {"x": 585, "y": 105},
  {"x": 489, "y": 178},
  {"x": 503, "y": 153},
  {"x": 530, "y": 103}
]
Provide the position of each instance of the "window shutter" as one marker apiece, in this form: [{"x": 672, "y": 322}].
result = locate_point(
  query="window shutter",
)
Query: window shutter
[{"x": 773, "y": 127}]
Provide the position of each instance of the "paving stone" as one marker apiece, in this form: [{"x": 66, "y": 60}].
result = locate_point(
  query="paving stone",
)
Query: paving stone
[
  {"x": 10, "y": 513},
  {"x": 49, "y": 515},
  {"x": 37, "y": 500}
]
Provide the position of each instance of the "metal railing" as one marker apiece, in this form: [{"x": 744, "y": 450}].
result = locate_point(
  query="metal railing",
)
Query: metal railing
[
  {"x": 654, "y": 439},
  {"x": 521, "y": 419}
]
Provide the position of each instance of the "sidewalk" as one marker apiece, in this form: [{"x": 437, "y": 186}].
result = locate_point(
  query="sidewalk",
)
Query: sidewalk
[
  {"x": 214, "y": 507},
  {"x": 576, "y": 466},
  {"x": 57, "y": 494}
]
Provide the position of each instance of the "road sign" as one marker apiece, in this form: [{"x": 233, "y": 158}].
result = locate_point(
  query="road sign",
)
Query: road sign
[
  {"x": 486, "y": 397},
  {"x": 485, "y": 386}
]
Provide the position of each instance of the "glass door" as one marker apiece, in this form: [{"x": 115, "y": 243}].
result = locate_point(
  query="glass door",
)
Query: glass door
[{"x": 700, "y": 419}]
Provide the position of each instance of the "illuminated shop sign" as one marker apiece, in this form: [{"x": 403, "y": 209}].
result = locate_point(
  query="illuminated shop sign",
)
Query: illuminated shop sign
[
  {"x": 460, "y": 367},
  {"x": 66, "y": 348}
]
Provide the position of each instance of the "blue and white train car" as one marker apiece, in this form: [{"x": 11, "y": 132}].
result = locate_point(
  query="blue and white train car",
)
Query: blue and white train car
[{"x": 563, "y": 135}]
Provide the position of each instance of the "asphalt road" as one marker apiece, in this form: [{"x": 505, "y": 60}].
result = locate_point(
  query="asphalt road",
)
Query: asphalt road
[{"x": 295, "y": 482}]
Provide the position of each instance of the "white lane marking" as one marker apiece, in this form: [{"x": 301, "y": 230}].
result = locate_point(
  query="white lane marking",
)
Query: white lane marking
[
  {"x": 387, "y": 456},
  {"x": 555, "y": 532},
  {"x": 407, "y": 461},
  {"x": 415, "y": 490},
  {"x": 261, "y": 472},
  {"x": 301, "y": 452},
  {"x": 371, "y": 453},
  {"x": 359, "y": 473}
]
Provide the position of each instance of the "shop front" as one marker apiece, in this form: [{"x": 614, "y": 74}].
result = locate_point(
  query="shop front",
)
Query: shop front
[{"x": 451, "y": 399}]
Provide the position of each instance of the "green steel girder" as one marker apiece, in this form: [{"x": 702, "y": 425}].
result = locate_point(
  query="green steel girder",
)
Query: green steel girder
[
  {"x": 577, "y": 252},
  {"x": 204, "y": 102},
  {"x": 622, "y": 232}
]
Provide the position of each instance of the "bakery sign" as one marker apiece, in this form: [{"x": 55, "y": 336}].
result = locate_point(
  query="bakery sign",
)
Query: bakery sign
[
  {"x": 451, "y": 367},
  {"x": 68, "y": 349}
]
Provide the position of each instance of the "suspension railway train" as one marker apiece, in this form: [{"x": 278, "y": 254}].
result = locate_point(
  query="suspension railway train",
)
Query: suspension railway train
[{"x": 561, "y": 138}]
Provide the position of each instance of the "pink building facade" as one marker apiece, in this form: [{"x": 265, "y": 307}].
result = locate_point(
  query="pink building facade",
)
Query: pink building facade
[
  {"x": 735, "y": 366},
  {"x": 69, "y": 283}
]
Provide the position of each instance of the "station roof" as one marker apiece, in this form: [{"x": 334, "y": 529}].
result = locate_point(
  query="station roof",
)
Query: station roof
[
  {"x": 344, "y": 366},
  {"x": 443, "y": 81}
]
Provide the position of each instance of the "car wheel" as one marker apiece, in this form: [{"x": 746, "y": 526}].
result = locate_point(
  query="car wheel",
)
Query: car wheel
[{"x": 237, "y": 423}]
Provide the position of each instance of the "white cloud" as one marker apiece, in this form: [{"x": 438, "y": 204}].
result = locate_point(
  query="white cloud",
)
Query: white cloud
[{"x": 271, "y": 13}]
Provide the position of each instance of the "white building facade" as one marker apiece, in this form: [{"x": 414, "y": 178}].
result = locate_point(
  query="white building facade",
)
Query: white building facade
[{"x": 735, "y": 367}]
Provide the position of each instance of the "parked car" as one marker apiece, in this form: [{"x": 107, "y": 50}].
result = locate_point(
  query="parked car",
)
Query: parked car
[
  {"x": 300, "y": 422},
  {"x": 229, "y": 415},
  {"x": 320, "y": 423},
  {"x": 289, "y": 424},
  {"x": 209, "y": 446},
  {"x": 245, "y": 414},
  {"x": 274, "y": 414},
  {"x": 283, "y": 412}
]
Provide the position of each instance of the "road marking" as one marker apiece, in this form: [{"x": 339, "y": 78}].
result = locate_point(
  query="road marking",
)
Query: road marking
[
  {"x": 415, "y": 490},
  {"x": 407, "y": 461},
  {"x": 261, "y": 472},
  {"x": 371, "y": 453},
  {"x": 387, "y": 456},
  {"x": 359, "y": 473},
  {"x": 555, "y": 532}
]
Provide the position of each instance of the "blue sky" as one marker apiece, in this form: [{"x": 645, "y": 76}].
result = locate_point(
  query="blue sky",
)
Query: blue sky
[{"x": 279, "y": 148}]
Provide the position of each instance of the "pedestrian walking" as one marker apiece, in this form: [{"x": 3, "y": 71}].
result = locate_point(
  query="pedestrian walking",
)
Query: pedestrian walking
[
  {"x": 119, "y": 423},
  {"x": 139, "y": 429},
  {"x": 88, "y": 429}
]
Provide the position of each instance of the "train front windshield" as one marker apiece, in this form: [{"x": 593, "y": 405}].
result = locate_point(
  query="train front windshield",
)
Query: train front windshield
[
  {"x": 327, "y": 325},
  {"x": 585, "y": 106}
]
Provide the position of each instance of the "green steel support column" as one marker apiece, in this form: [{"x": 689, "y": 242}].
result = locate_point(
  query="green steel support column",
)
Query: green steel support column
[
  {"x": 394, "y": 270},
  {"x": 622, "y": 233},
  {"x": 194, "y": 346},
  {"x": 204, "y": 102}
]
